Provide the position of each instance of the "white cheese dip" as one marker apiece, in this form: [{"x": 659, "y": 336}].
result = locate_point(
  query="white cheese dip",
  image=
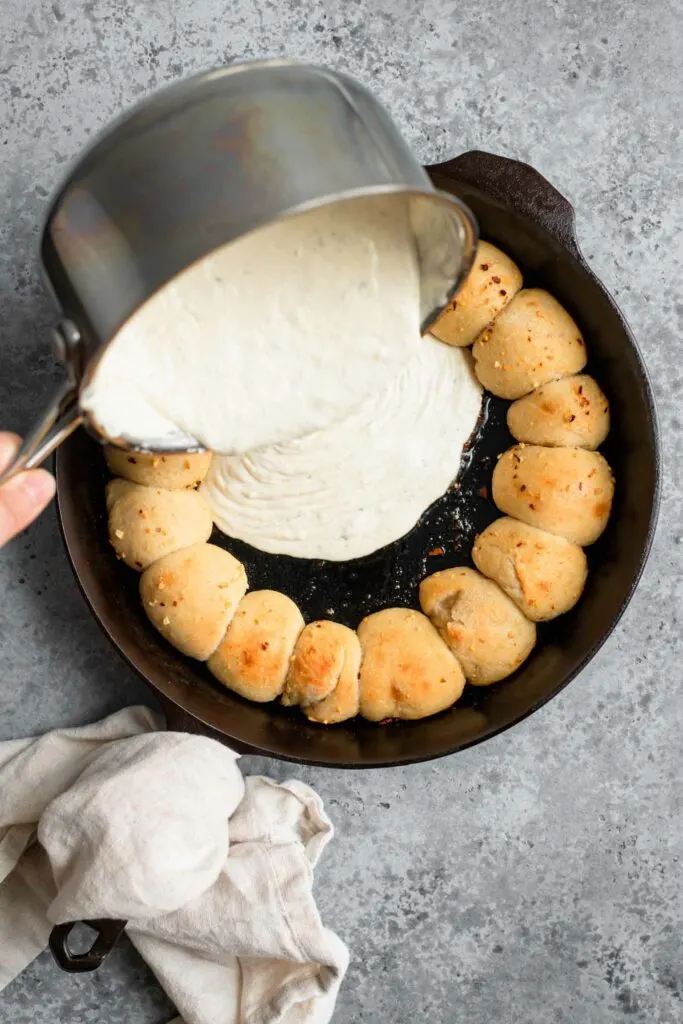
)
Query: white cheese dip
[
  {"x": 296, "y": 353},
  {"x": 271, "y": 337},
  {"x": 363, "y": 482}
]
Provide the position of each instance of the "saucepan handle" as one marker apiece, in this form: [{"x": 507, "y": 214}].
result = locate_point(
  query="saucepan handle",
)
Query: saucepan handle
[
  {"x": 60, "y": 419},
  {"x": 108, "y": 933},
  {"x": 62, "y": 415},
  {"x": 517, "y": 186}
]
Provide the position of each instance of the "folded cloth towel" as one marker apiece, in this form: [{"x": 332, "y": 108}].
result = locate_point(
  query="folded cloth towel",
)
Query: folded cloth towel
[{"x": 213, "y": 872}]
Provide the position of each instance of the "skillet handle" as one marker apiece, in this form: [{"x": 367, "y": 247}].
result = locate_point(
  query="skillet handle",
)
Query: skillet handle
[
  {"x": 517, "y": 186},
  {"x": 108, "y": 934},
  {"x": 178, "y": 720}
]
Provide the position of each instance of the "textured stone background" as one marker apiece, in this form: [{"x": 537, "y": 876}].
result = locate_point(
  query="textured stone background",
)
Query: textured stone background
[{"x": 535, "y": 878}]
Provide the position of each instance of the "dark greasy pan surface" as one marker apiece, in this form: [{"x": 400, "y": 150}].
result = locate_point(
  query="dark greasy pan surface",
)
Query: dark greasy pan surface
[{"x": 519, "y": 211}]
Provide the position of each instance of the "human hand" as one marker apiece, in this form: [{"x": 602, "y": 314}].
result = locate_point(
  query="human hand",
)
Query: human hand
[{"x": 23, "y": 497}]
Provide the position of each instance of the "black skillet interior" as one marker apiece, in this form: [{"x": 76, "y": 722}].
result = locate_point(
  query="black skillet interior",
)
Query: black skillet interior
[{"x": 519, "y": 211}]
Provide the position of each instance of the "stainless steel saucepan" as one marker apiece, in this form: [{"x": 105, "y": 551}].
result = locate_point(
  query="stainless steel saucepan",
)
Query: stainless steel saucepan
[{"x": 199, "y": 165}]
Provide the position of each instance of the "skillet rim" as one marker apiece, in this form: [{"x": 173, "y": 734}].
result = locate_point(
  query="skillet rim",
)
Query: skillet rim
[{"x": 556, "y": 218}]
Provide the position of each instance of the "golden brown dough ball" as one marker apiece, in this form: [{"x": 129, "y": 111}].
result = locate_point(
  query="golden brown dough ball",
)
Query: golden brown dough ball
[
  {"x": 253, "y": 657},
  {"x": 344, "y": 701},
  {"x": 190, "y": 596},
  {"x": 173, "y": 471},
  {"x": 572, "y": 412},
  {"x": 146, "y": 523},
  {"x": 567, "y": 491},
  {"x": 542, "y": 573},
  {"x": 316, "y": 663},
  {"x": 116, "y": 489},
  {"x": 407, "y": 671},
  {"x": 491, "y": 283},
  {"x": 533, "y": 341},
  {"x": 323, "y": 674},
  {"x": 484, "y": 629}
]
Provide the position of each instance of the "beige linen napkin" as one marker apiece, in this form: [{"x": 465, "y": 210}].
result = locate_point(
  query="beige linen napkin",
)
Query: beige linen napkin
[{"x": 213, "y": 872}]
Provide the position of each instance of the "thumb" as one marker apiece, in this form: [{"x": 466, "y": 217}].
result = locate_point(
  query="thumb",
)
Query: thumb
[{"x": 24, "y": 496}]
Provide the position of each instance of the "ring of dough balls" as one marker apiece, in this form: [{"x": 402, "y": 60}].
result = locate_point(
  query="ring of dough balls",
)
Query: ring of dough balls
[
  {"x": 407, "y": 671},
  {"x": 567, "y": 491},
  {"x": 399, "y": 664},
  {"x": 542, "y": 573},
  {"x": 253, "y": 657},
  {"x": 323, "y": 674},
  {"x": 191, "y": 595},
  {"x": 172, "y": 471},
  {"x": 146, "y": 523},
  {"x": 491, "y": 283},
  {"x": 567, "y": 413},
  {"x": 483, "y": 628},
  {"x": 533, "y": 341}
]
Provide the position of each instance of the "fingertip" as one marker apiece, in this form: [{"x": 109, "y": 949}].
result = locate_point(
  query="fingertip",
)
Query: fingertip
[
  {"x": 41, "y": 487},
  {"x": 9, "y": 446},
  {"x": 22, "y": 499}
]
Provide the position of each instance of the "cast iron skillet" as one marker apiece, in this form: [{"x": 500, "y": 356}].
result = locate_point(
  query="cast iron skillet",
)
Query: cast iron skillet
[{"x": 520, "y": 211}]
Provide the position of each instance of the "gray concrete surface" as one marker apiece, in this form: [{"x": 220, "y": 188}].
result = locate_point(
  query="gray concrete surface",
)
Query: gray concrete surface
[{"x": 537, "y": 878}]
